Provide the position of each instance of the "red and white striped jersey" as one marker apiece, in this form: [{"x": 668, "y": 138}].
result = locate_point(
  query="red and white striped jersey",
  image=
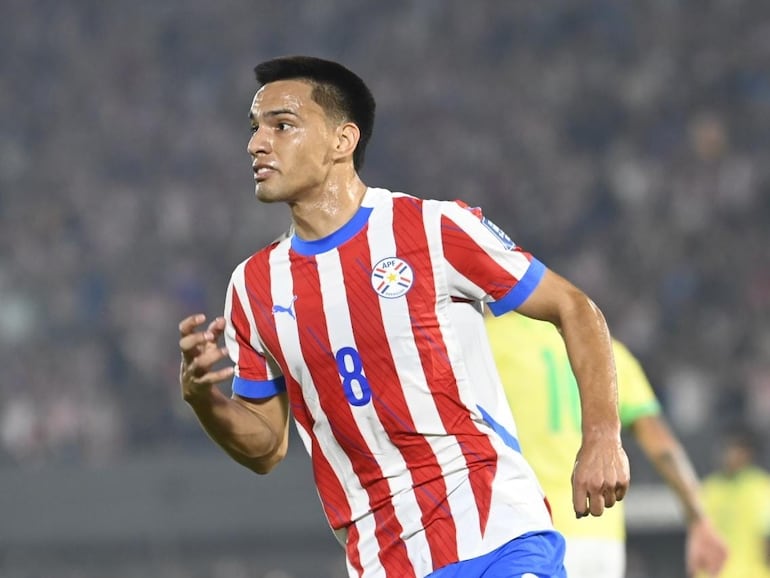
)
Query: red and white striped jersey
[{"x": 376, "y": 335}]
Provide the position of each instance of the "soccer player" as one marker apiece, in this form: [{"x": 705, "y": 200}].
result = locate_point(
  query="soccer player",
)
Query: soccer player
[
  {"x": 544, "y": 398},
  {"x": 738, "y": 498},
  {"x": 349, "y": 320}
]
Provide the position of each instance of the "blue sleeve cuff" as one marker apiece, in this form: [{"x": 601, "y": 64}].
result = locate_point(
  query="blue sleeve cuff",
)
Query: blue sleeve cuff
[
  {"x": 258, "y": 389},
  {"x": 519, "y": 293}
]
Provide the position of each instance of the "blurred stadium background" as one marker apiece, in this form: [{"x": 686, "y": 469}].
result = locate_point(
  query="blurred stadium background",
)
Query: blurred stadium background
[{"x": 625, "y": 143}]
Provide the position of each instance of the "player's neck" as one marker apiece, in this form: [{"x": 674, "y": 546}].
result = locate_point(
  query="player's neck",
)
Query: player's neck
[{"x": 334, "y": 204}]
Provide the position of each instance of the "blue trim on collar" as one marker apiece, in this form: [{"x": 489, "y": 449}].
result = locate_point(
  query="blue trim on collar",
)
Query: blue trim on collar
[{"x": 337, "y": 238}]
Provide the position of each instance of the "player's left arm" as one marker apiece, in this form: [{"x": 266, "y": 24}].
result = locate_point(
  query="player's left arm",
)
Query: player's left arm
[
  {"x": 601, "y": 474},
  {"x": 484, "y": 263},
  {"x": 705, "y": 549}
]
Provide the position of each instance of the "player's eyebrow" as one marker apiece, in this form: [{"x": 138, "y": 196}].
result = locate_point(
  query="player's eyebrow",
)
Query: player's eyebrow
[{"x": 274, "y": 113}]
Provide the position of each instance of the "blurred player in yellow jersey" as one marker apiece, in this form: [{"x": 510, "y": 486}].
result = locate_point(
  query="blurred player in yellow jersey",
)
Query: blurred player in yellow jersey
[
  {"x": 535, "y": 371},
  {"x": 738, "y": 500}
]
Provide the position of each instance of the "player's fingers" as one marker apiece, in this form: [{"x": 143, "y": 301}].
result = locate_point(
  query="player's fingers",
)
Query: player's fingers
[
  {"x": 214, "y": 377},
  {"x": 620, "y": 490},
  {"x": 194, "y": 343},
  {"x": 223, "y": 374},
  {"x": 596, "y": 503},
  {"x": 192, "y": 340},
  {"x": 217, "y": 326},
  {"x": 699, "y": 563},
  {"x": 702, "y": 562},
  {"x": 609, "y": 497},
  {"x": 188, "y": 324},
  {"x": 579, "y": 499},
  {"x": 201, "y": 363},
  {"x": 716, "y": 561}
]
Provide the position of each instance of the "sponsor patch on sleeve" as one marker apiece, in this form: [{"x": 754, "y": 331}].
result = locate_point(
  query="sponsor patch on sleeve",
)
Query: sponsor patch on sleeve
[{"x": 501, "y": 235}]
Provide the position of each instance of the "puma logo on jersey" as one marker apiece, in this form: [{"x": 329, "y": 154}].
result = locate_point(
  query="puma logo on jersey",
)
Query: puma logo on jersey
[{"x": 289, "y": 309}]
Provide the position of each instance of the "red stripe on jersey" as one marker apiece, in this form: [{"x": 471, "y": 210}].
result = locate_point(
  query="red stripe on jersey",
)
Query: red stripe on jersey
[
  {"x": 332, "y": 494},
  {"x": 480, "y": 455},
  {"x": 472, "y": 261},
  {"x": 251, "y": 365},
  {"x": 351, "y": 549},
  {"x": 322, "y": 365},
  {"x": 391, "y": 406}
]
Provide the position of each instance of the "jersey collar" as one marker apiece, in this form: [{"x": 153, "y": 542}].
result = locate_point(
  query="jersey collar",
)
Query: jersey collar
[{"x": 337, "y": 238}]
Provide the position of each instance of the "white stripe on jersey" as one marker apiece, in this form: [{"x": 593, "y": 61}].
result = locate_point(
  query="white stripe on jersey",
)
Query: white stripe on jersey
[
  {"x": 479, "y": 383},
  {"x": 422, "y": 407},
  {"x": 281, "y": 286},
  {"x": 233, "y": 351},
  {"x": 513, "y": 261},
  {"x": 239, "y": 285},
  {"x": 394, "y": 469},
  {"x": 514, "y": 478}
]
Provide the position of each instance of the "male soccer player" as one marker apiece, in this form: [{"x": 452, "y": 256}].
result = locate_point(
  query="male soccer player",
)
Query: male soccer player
[
  {"x": 544, "y": 398},
  {"x": 738, "y": 498},
  {"x": 348, "y": 320}
]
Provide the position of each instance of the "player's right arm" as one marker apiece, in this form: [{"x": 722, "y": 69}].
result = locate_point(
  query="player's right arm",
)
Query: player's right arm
[
  {"x": 490, "y": 267},
  {"x": 254, "y": 432},
  {"x": 705, "y": 549}
]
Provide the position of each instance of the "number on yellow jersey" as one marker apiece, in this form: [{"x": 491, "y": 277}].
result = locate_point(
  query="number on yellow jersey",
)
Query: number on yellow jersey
[{"x": 563, "y": 394}]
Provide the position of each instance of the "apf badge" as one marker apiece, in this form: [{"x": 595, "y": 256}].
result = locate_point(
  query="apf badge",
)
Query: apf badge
[{"x": 392, "y": 277}]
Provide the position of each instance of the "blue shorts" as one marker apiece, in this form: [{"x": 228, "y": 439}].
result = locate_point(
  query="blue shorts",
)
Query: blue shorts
[{"x": 532, "y": 555}]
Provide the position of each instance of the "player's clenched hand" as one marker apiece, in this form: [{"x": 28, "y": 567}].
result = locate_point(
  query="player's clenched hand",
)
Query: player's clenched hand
[
  {"x": 706, "y": 550},
  {"x": 200, "y": 352},
  {"x": 601, "y": 475}
]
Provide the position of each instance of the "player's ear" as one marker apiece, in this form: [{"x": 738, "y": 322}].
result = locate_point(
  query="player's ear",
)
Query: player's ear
[{"x": 348, "y": 136}]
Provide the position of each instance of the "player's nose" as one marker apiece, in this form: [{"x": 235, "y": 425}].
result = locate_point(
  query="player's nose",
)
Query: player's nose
[{"x": 258, "y": 143}]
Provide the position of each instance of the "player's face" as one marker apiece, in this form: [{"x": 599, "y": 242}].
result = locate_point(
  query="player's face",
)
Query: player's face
[
  {"x": 291, "y": 142},
  {"x": 735, "y": 457}
]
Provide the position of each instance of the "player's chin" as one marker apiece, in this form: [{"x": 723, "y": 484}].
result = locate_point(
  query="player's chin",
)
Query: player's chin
[{"x": 266, "y": 194}]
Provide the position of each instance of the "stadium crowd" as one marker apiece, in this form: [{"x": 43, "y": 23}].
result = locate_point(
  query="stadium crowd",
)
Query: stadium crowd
[{"x": 625, "y": 144}]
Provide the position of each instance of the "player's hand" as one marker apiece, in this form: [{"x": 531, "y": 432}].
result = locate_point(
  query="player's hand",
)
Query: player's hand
[
  {"x": 200, "y": 352},
  {"x": 600, "y": 476},
  {"x": 706, "y": 550}
]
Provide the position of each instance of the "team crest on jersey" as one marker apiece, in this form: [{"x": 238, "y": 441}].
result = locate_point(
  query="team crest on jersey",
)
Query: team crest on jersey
[
  {"x": 501, "y": 235},
  {"x": 392, "y": 277}
]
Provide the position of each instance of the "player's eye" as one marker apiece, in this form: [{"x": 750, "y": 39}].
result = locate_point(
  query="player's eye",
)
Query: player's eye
[
  {"x": 281, "y": 126},
  {"x": 254, "y": 128}
]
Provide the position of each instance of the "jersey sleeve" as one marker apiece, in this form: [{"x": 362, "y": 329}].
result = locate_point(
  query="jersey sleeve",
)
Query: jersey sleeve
[
  {"x": 484, "y": 264},
  {"x": 636, "y": 397},
  {"x": 257, "y": 375}
]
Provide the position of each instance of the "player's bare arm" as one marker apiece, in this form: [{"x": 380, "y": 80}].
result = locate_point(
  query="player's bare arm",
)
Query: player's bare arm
[
  {"x": 706, "y": 550},
  {"x": 601, "y": 474},
  {"x": 254, "y": 432}
]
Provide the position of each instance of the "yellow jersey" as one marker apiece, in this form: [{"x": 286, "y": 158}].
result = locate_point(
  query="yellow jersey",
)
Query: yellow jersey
[
  {"x": 740, "y": 508},
  {"x": 542, "y": 391}
]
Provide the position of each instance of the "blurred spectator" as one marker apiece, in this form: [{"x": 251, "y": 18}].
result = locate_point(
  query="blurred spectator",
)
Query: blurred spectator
[{"x": 737, "y": 497}]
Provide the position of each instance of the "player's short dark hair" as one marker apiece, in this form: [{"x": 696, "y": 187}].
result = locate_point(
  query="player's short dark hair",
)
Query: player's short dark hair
[
  {"x": 341, "y": 93},
  {"x": 744, "y": 437}
]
